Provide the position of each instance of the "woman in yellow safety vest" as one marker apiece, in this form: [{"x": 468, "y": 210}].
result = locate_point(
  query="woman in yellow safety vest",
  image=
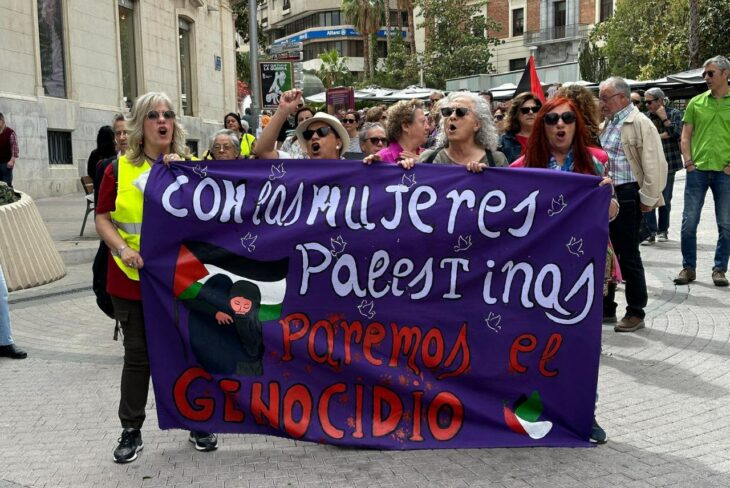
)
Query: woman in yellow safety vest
[
  {"x": 154, "y": 135},
  {"x": 233, "y": 122}
]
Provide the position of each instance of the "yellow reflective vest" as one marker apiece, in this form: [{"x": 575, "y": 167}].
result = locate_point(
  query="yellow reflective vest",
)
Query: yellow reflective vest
[{"x": 127, "y": 216}]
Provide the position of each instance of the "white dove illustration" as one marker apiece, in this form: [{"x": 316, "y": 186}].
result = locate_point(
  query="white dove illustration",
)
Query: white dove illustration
[
  {"x": 277, "y": 172},
  {"x": 338, "y": 245},
  {"x": 408, "y": 180},
  {"x": 493, "y": 320},
  {"x": 366, "y": 309},
  {"x": 558, "y": 204},
  {"x": 201, "y": 171},
  {"x": 248, "y": 240},
  {"x": 463, "y": 243},
  {"x": 575, "y": 246}
]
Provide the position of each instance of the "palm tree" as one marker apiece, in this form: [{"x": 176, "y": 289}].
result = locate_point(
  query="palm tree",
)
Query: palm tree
[
  {"x": 407, "y": 6},
  {"x": 694, "y": 34},
  {"x": 333, "y": 70},
  {"x": 367, "y": 17}
]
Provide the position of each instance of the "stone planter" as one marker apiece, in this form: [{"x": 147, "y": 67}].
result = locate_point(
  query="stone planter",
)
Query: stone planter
[{"x": 27, "y": 253}]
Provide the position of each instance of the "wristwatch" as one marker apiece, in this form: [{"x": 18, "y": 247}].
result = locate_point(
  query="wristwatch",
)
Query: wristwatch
[{"x": 118, "y": 252}]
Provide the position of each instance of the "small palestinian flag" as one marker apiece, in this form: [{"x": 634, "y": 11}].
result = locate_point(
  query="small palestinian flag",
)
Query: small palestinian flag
[
  {"x": 197, "y": 262},
  {"x": 524, "y": 418}
]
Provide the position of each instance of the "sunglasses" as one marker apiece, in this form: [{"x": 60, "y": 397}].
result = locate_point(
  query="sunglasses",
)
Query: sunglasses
[
  {"x": 649, "y": 101},
  {"x": 321, "y": 132},
  {"x": 154, "y": 114},
  {"x": 527, "y": 110},
  {"x": 460, "y": 111},
  {"x": 499, "y": 117},
  {"x": 552, "y": 118},
  {"x": 636, "y": 102},
  {"x": 708, "y": 74},
  {"x": 348, "y": 121},
  {"x": 375, "y": 141}
]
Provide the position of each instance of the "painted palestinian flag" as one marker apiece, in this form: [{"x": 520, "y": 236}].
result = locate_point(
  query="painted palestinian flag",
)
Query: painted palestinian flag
[
  {"x": 198, "y": 261},
  {"x": 524, "y": 418}
]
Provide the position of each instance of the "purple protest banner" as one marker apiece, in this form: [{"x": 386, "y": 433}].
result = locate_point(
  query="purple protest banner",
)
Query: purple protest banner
[{"x": 375, "y": 307}]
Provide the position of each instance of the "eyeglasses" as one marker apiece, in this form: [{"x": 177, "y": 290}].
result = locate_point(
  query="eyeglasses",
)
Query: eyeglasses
[
  {"x": 553, "y": 117},
  {"x": 636, "y": 102},
  {"x": 460, "y": 111},
  {"x": 154, "y": 115},
  {"x": 649, "y": 101},
  {"x": 606, "y": 99},
  {"x": 709, "y": 73},
  {"x": 349, "y": 121},
  {"x": 321, "y": 132},
  {"x": 376, "y": 141},
  {"x": 499, "y": 117},
  {"x": 222, "y": 147},
  {"x": 526, "y": 110}
]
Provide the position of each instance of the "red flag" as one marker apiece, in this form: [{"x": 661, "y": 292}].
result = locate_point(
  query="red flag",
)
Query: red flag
[{"x": 530, "y": 82}]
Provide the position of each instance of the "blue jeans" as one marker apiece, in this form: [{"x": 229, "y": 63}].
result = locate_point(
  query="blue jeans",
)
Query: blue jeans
[
  {"x": 5, "y": 338},
  {"x": 650, "y": 217},
  {"x": 694, "y": 198}
]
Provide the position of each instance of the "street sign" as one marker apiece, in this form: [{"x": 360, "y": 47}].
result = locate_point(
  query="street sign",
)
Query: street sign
[
  {"x": 286, "y": 46},
  {"x": 287, "y": 56},
  {"x": 276, "y": 78}
]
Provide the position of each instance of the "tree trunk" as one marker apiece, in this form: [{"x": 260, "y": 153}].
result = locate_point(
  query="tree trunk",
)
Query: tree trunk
[
  {"x": 411, "y": 29},
  {"x": 366, "y": 55},
  {"x": 694, "y": 37},
  {"x": 387, "y": 25}
]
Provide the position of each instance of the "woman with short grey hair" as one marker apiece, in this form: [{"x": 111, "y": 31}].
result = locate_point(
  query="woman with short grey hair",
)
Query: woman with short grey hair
[
  {"x": 225, "y": 145},
  {"x": 467, "y": 135}
]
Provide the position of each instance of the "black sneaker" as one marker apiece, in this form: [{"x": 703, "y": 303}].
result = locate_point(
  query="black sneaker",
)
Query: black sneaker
[
  {"x": 129, "y": 445},
  {"x": 204, "y": 441},
  {"x": 610, "y": 319},
  {"x": 649, "y": 241},
  {"x": 662, "y": 236},
  {"x": 598, "y": 435}
]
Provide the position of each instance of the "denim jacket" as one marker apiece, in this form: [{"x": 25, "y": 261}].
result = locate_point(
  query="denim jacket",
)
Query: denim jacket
[{"x": 510, "y": 146}]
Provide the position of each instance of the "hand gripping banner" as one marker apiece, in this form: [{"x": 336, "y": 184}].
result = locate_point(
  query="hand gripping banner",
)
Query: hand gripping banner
[{"x": 375, "y": 307}]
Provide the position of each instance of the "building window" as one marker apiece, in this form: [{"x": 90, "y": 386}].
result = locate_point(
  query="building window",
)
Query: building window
[
  {"x": 286, "y": 5},
  {"x": 477, "y": 27},
  {"x": 127, "y": 50},
  {"x": 186, "y": 66},
  {"x": 559, "y": 19},
  {"x": 518, "y": 21},
  {"x": 517, "y": 64},
  {"x": 606, "y": 10},
  {"x": 59, "y": 147},
  {"x": 50, "y": 34}
]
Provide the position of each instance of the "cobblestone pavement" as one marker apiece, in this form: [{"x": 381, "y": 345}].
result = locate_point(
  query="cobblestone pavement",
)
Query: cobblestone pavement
[{"x": 664, "y": 395}]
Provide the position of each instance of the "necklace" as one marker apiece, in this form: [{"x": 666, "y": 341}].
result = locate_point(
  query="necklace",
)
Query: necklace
[{"x": 149, "y": 159}]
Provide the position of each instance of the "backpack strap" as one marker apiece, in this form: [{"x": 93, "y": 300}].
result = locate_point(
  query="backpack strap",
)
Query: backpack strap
[
  {"x": 431, "y": 157},
  {"x": 490, "y": 159}
]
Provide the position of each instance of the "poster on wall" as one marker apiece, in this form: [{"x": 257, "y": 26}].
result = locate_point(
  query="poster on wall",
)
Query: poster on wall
[{"x": 276, "y": 78}]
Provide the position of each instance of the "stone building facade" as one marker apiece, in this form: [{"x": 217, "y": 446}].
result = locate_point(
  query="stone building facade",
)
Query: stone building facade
[{"x": 67, "y": 66}]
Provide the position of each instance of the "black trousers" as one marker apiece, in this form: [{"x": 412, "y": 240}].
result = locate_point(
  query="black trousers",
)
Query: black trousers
[
  {"x": 136, "y": 370},
  {"x": 624, "y": 232}
]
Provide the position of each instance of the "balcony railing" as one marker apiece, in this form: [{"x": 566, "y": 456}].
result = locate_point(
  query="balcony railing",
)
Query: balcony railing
[{"x": 555, "y": 33}]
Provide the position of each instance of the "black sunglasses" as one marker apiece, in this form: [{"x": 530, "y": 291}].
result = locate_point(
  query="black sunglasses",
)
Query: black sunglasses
[
  {"x": 636, "y": 102},
  {"x": 527, "y": 110},
  {"x": 552, "y": 118},
  {"x": 499, "y": 117},
  {"x": 154, "y": 114},
  {"x": 460, "y": 111},
  {"x": 648, "y": 101},
  {"x": 321, "y": 132},
  {"x": 378, "y": 140},
  {"x": 348, "y": 121},
  {"x": 708, "y": 74}
]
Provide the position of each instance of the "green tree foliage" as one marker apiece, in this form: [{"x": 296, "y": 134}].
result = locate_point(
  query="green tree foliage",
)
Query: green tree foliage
[
  {"x": 650, "y": 39},
  {"x": 240, "y": 14},
  {"x": 457, "y": 39},
  {"x": 334, "y": 70},
  {"x": 400, "y": 68}
]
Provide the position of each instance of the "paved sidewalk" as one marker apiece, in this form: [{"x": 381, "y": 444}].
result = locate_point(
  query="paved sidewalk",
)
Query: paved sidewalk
[{"x": 664, "y": 393}]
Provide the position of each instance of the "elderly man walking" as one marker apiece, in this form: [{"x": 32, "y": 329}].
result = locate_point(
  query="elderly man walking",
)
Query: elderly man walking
[
  {"x": 668, "y": 122},
  {"x": 706, "y": 152},
  {"x": 639, "y": 170}
]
